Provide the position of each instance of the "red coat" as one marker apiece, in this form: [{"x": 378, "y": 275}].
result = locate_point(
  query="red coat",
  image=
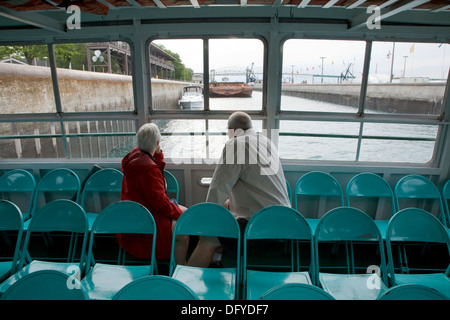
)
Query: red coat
[{"x": 144, "y": 182}]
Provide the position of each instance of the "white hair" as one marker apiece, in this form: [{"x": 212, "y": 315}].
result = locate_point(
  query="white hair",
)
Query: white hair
[{"x": 147, "y": 137}]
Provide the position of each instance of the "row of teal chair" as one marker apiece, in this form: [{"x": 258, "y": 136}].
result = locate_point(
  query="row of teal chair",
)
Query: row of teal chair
[
  {"x": 102, "y": 281},
  {"x": 337, "y": 225},
  {"x": 370, "y": 185},
  {"x": 101, "y": 187}
]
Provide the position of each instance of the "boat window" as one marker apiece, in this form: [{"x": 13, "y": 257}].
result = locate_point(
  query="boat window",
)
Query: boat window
[
  {"x": 318, "y": 140},
  {"x": 73, "y": 139},
  {"x": 191, "y": 141},
  {"x": 26, "y": 82},
  {"x": 392, "y": 142},
  {"x": 322, "y": 75},
  {"x": 31, "y": 140},
  {"x": 94, "y": 76},
  {"x": 176, "y": 64},
  {"x": 407, "y": 78},
  {"x": 235, "y": 74}
]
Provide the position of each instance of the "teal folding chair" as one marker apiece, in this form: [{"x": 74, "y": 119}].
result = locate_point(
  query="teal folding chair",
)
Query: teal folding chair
[
  {"x": 100, "y": 190},
  {"x": 104, "y": 280},
  {"x": 420, "y": 227},
  {"x": 155, "y": 288},
  {"x": 351, "y": 224},
  {"x": 18, "y": 186},
  {"x": 172, "y": 186},
  {"x": 412, "y": 292},
  {"x": 57, "y": 216},
  {"x": 369, "y": 185},
  {"x": 208, "y": 219},
  {"x": 318, "y": 184},
  {"x": 296, "y": 291},
  {"x": 417, "y": 187},
  {"x": 46, "y": 285},
  {"x": 10, "y": 221},
  {"x": 281, "y": 223},
  {"x": 61, "y": 183}
]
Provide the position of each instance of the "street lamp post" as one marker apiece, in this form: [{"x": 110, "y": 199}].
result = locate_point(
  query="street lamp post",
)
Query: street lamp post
[{"x": 321, "y": 81}]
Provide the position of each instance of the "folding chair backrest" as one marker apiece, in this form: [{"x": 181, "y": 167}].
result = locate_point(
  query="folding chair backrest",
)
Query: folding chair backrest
[
  {"x": 156, "y": 288},
  {"x": 59, "y": 183},
  {"x": 412, "y": 292},
  {"x": 18, "y": 183},
  {"x": 124, "y": 217},
  {"x": 349, "y": 224},
  {"x": 278, "y": 222},
  {"x": 296, "y": 291},
  {"x": 417, "y": 225},
  {"x": 368, "y": 184},
  {"x": 59, "y": 215},
  {"x": 11, "y": 220},
  {"x": 414, "y": 225},
  {"x": 418, "y": 187},
  {"x": 346, "y": 223},
  {"x": 317, "y": 183},
  {"x": 207, "y": 219},
  {"x": 108, "y": 180},
  {"x": 172, "y": 186},
  {"x": 46, "y": 285}
]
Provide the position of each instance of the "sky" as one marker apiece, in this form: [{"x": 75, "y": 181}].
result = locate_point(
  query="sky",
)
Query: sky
[{"x": 305, "y": 57}]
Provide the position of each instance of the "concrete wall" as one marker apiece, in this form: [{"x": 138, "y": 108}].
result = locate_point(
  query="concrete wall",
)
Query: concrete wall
[
  {"x": 29, "y": 89},
  {"x": 422, "y": 98}
]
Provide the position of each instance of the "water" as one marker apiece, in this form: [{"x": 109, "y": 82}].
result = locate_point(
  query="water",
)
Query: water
[{"x": 178, "y": 143}]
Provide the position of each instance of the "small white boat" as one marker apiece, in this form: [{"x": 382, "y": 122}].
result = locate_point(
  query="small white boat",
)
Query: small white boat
[{"x": 192, "y": 98}]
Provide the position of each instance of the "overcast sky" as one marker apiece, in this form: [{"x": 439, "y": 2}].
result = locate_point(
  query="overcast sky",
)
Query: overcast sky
[{"x": 305, "y": 56}]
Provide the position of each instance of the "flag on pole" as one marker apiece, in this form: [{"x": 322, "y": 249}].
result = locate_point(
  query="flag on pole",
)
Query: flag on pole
[{"x": 412, "y": 49}]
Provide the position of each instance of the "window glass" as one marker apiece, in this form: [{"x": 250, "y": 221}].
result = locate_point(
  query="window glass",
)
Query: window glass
[
  {"x": 94, "y": 76},
  {"x": 235, "y": 74},
  {"x": 25, "y": 80},
  {"x": 318, "y": 140},
  {"x": 322, "y": 75},
  {"x": 176, "y": 64},
  {"x": 407, "y": 78},
  {"x": 195, "y": 139},
  {"x": 384, "y": 142}
]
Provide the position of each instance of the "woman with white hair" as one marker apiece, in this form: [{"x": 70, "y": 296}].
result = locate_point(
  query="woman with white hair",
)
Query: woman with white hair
[{"x": 144, "y": 182}]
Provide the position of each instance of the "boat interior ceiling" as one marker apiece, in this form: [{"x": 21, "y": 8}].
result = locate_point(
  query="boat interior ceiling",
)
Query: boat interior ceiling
[{"x": 350, "y": 15}]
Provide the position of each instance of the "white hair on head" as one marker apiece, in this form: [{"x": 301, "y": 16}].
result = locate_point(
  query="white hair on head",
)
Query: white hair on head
[
  {"x": 147, "y": 137},
  {"x": 239, "y": 120}
]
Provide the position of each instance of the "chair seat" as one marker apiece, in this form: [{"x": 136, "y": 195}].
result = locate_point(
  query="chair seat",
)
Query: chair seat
[
  {"x": 259, "y": 282},
  {"x": 352, "y": 286},
  {"x": 34, "y": 266},
  {"x": 98, "y": 281},
  {"x": 437, "y": 281},
  {"x": 208, "y": 283}
]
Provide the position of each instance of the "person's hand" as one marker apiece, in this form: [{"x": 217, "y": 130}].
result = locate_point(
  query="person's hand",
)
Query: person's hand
[{"x": 158, "y": 149}]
